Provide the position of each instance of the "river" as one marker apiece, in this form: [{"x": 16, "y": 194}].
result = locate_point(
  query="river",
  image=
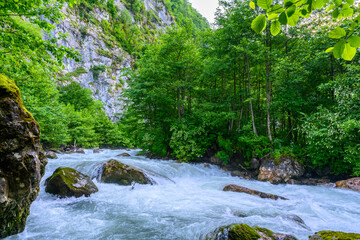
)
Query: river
[{"x": 188, "y": 205}]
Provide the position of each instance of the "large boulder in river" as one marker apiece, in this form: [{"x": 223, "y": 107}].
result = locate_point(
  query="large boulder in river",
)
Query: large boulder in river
[
  {"x": 22, "y": 160},
  {"x": 236, "y": 188},
  {"x": 245, "y": 232},
  {"x": 331, "y": 235},
  {"x": 67, "y": 182},
  {"x": 122, "y": 174},
  {"x": 353, "y": 184},
  {"x": 281, "y": 170}
]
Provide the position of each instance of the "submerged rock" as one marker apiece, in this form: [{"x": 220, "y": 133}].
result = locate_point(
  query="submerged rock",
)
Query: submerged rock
[
  {"x": 123, "y": 155},
  {"x": 122, "y": 174},
  {"x": 245, "y": 232},
  {"x": 236, "y": 188},
  {"x": 51, "y": 154},
  {"x": 331, "y": 235},
  {"x": 97, "y": 150},
  {"x": 353, "y": 184},
  {"x": 22, "y": 160},
  {"x": 296, "y": 219},
  {"x": 67, "y": 182},
  {"x": 80, "y": 150},
  {"x": 282, "y": 170}
]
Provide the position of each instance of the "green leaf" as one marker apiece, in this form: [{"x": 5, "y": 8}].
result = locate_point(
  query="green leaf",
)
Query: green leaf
[
  {"x": 275, "y": 28},
  {"x": 331, "y": 7},
  {"x": 292, "y": 21},
  {"x": 264, "y": 4},
  {"x": 283, "y": 18},
  {"x": 290, "y": 11},
  {"x": 338, "y": 2},
  {"x": 345, "y": 13},
  {"x": 348, "y": 53},
  {"x": 351, "y": 2},
  {"x": 339, "y": 48},
  {"x": 288, "y": 3},
  {"x": 329, "y": 49},
  {"x": 277, "y": 9},
  {"x": 337, "y": 33},
  {"x": 317, "y": 4},
  {"x": 335, "y": 13},
  {"x": 271, "y": 15},
  {"x": 259, "y": 23},
  {"x": 252, "y": 5},
  {"x": 354, "y": 41}
]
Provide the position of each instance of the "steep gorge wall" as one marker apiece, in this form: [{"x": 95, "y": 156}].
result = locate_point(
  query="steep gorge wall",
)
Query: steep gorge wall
[{"x": 104, "y": 60}]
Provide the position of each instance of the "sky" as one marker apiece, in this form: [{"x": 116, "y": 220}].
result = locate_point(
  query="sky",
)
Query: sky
[{"x": 206, "y": 7}]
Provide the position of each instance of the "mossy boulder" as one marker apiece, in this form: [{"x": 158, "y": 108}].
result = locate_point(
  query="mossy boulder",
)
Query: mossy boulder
[
  {"x": 281, "y": 170},
  {"x": 245, "y": 232},
  {"x": 122, "y": 174},
  {"x": 331, "y": 235},
  {"x": 352, "y": 184},
  {"x": 236, "y": 188},
  {"x": 22, "y": 160},
  {"x": 67, "y": 182}
]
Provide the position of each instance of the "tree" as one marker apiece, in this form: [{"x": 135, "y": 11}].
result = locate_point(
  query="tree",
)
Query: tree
[{"x": 289, "y": 12}]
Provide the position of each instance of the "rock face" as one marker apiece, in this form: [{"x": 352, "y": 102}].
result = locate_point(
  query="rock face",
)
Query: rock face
[
  {"x": 236, "y": 188},
  {"x": 122, "y": 174},
  {"x": 353, "y": 184},
  {"x": 280, "y": 171},
  {"x": 245, "y": 232},
  {"x": 67, "y": 182},
  {"x": 92, "y": 42},
  {"x": 330, "y": 235},
  {"x": 22, "y": 161}
]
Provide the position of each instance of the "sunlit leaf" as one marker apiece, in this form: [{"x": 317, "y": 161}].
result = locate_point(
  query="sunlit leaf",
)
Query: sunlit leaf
[
  {"x": 252, "y": 5},
  {"x": 348, "y": 53},
  {"x": 337, "y": 33},
  {"x": 354, "y": 41},
  {"x": 339, "y": 48},
  {"x": 275, "y": 28},
  {"x": 264, "y": 4},
  {"x": 259, "y": 23}
]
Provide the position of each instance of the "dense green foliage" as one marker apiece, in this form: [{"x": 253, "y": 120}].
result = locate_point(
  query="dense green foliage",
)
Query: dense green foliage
[
  {"x": 184, "y": 14},
  {"x": 237, "y": 94}
]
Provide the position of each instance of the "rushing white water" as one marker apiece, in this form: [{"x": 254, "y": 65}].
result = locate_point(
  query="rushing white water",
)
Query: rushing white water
[{"x": 188, "y": 206}]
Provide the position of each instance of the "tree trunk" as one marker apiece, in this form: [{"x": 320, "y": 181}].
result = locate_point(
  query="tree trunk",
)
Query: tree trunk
[
  {"x": 250, "y": 101},
  {"x": 268, "y": 87}
]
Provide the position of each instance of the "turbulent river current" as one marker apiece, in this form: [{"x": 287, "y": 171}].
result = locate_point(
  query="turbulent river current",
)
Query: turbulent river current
[{"x": 187, "y": 203}]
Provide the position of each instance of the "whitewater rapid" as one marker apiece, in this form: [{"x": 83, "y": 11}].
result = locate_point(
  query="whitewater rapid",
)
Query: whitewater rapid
[{"x": 188, "y": 205}]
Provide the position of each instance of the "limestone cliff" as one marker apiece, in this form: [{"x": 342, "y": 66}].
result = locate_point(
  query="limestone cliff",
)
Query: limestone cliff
[
  {"x": 22, "y": 161},
  {"x": 93, "y": 30}
]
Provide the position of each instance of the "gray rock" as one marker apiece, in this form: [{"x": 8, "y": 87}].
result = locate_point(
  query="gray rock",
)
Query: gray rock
[
  {"x": 280, "y": 171},
  {"x": 80, "y": 150},
  {"x": 67, "y": 182},
  {"x": 254, "y": 164},
  {"x": 97, "y": 150},
  {"x": 51, "y": 154},
  {"x": 215, "y": 160},
  {"x": 123, "y": 155},
  {"x": 236, "y": 188},
  {"x": 22, "y": 160},
  {"x": 296, "y": 219}
]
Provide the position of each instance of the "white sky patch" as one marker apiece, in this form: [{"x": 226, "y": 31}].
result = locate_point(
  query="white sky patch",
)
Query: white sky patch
[{"x": 206, "y": 7}]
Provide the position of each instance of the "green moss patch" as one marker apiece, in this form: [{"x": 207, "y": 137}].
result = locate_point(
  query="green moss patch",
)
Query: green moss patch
[{"x": 330, "y": 235}]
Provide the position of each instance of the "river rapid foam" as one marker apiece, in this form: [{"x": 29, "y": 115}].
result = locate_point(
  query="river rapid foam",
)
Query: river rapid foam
[{"x": 187, "y": 203}]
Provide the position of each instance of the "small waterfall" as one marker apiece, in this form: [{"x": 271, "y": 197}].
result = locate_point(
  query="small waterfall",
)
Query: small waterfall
[{"x": 97, "y": 172}]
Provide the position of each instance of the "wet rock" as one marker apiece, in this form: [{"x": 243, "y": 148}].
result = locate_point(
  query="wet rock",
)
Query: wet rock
[
  {"x": 80, "y": 150},
  {"x": 315, "y": 181},
  {"x": 123, "y": 155},
  {"x": 280, "y": 171},
  {"x": 241, "y": 174},
  {"x": 128, "y": 149},
  {"x": 206, "y": 165},
  {"x": 51, "y": 154},
  {"x": 122, "y": 174},
  {"x": 97, "y": 150},
  {"x": 245, "y": 232},
  {"x": 239, "y": 214},
  {"x": 236, "y": 188},
  {"x": 296, "y": 219},
  {"x": 254, "y": 164},
  {"x": 67, "y": 182},
  {"x": 215, "y": 160},
  {"x": 22, "y": 160},
  {"x": 352, "y": 184},
  {"x": 331, "y": 235}
]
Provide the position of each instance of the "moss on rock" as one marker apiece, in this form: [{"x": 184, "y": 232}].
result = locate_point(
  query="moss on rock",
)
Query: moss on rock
[
  {"x": 331, "y": 235},
  {"x": 67, "y": 182},
  {"x": 22, "y": 160},
  {"x": 122, "y": 174},
  {"x": 245, "y": 232}
]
